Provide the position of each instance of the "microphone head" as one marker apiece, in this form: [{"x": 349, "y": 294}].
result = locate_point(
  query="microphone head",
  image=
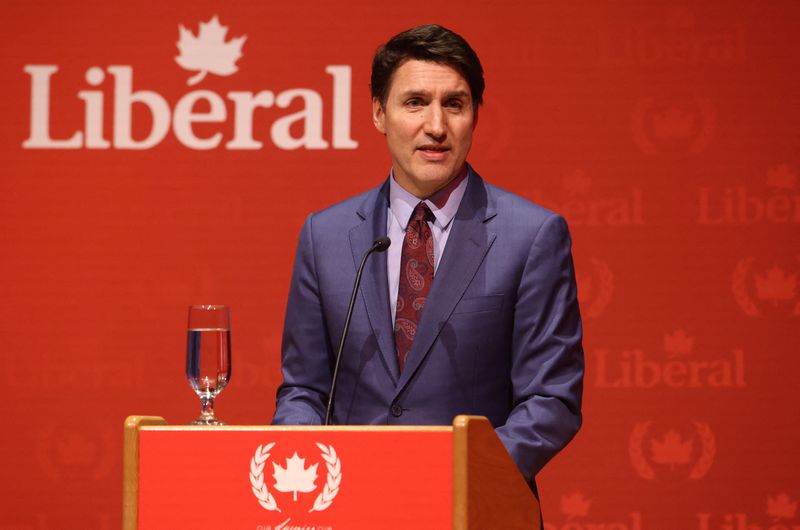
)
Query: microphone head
[{"x": 381, "y": 244}]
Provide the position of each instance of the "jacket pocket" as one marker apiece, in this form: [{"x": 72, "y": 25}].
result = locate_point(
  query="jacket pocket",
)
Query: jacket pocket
[{"x": 493, "y": 302}]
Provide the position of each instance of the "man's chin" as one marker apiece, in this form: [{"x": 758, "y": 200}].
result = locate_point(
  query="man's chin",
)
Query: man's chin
[
  {"x": 435, "y": 182},
  {"x": 428, "y": 179}
]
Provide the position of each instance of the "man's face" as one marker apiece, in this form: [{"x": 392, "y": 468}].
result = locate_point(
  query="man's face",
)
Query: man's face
[{"x": 428, "y": 121}]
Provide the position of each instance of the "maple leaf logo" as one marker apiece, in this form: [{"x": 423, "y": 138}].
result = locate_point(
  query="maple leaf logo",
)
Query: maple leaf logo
[
  {"x": 208, "y": 51},
  {"x": 776, "y": 285},
  {"x": 671, "y": 450},
  {"x": 673, "y": 123},
  {"x": 781, "y": 177},
  {"x": 678, "y": 343},
  {"x": 781, "y": 507},
  {"x": 576, "y": 182},
  {"x": 575, "y": 505},
  {"x": 295, "y": 477}
]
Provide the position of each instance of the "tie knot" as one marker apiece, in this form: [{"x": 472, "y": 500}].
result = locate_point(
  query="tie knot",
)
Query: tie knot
[{"x": 421, "y": 213}]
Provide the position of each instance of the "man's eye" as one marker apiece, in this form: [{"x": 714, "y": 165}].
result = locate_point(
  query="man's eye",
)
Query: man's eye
[
  {"x": 455, "y": 104},
  {"x": 414, "y": 102}
]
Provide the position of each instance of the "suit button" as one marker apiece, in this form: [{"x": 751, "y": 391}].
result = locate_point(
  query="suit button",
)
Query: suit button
[{"x": 397, "y": 410}]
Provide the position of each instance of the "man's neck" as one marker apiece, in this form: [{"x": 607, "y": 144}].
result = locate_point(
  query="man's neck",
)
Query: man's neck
[{"x": 440, "y": 196}]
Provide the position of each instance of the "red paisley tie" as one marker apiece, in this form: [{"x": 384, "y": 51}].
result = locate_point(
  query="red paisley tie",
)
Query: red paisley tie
[{"x": 416, "y": 277}]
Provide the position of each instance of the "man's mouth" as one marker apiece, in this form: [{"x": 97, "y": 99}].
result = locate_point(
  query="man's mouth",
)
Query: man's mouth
[
  {"x": 433, "y": 148},
  {"x": 433, "y": 153}
]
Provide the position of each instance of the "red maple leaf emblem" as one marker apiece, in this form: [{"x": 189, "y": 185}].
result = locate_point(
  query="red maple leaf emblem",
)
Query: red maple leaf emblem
[
  {"x": 781, "y": 177},
  {"x": 575, "y": 505},
  {"x": 775, "y": 285},
  {"x": 671, "y": 449},
  {"x": 781, "y": 507},
  {"x": 673, "y": 123},
  {"x": 576, "y": 182},
  {"x": 678, "y": 343}
]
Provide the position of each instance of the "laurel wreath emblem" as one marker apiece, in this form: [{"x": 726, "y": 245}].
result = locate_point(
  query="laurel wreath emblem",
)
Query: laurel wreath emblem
[
  {"x": 739, "y": 287},
  {"x": 709, "y": 444},
  {"x": 323, "y": 501},
  {"x": 644, "y": 139},
  {"x": 606, "y": 290},
  {"x": 638, "y": 460},
  {"x": 260, "y": 490},
  {"x": 700, "y": 468},
  {"x": 331, "y": 489}
]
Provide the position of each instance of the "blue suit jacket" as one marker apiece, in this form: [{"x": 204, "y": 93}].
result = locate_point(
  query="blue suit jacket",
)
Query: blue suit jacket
[{"x": 500, "y": 335}]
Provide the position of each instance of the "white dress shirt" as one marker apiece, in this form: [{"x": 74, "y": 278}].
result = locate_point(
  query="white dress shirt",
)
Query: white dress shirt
[{"x": 401, "y": 205}]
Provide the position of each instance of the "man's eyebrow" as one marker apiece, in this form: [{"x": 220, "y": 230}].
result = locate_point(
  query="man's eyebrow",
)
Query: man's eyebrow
[
  {"x": 457, "y": 94},
  {"x": 415, "y": 93},
  {"x": 425, "y": 93}
]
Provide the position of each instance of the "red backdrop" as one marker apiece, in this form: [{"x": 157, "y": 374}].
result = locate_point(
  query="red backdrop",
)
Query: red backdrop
[{"x": 665, "y": 132}]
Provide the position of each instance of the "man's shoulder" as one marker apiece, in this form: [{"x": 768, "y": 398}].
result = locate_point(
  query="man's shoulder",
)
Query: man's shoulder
[
  {"x": 516, "y": 207},
  {"x": 350, "y": 208}
]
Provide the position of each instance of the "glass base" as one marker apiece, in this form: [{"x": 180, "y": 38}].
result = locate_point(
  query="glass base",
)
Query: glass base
[{"x": 207, "y": 421}]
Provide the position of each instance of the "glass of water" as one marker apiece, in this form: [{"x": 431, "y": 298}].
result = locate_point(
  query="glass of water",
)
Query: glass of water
[{"x": 208, "y": 356}]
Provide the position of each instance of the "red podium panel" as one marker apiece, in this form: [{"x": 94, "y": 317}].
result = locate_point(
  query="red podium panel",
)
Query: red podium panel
[{"x": 320, "y": 478}]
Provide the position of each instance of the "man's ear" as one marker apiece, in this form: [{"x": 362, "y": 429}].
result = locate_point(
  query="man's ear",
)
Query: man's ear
[
  {"x": 378, "y": 115},
  {"x": 474, "y": 116}
]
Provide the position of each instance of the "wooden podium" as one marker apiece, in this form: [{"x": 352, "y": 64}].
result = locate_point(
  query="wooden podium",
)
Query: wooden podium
[{"x": 321, "y": 478}]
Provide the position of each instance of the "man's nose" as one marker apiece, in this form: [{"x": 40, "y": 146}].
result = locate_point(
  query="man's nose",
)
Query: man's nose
[{"x": 435, "y": 122}]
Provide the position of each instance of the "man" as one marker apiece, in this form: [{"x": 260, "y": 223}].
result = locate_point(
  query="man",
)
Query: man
[{"x": 472, "y": 310}]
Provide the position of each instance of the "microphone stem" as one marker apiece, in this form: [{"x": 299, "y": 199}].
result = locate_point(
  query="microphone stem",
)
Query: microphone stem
[{"x": 329, "y": 409}]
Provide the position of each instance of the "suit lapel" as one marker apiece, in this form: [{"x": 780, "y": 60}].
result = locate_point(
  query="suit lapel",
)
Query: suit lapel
[
  {"x": 466, "y": 248},
  {"x": 374, "y": 282}
]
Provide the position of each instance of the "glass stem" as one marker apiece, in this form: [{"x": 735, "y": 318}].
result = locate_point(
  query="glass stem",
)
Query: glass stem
[{"x": 208, "y": 407}]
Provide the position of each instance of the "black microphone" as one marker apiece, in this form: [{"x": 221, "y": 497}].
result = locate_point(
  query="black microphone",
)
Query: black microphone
[{"x": 379, "y": 245}]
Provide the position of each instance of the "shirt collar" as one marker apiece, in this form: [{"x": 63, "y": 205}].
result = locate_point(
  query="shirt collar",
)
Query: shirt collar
[{"x": 402, "y": 203}]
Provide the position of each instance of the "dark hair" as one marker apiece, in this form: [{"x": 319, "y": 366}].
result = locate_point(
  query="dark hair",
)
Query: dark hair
[{"x": 427, "y": 43}]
